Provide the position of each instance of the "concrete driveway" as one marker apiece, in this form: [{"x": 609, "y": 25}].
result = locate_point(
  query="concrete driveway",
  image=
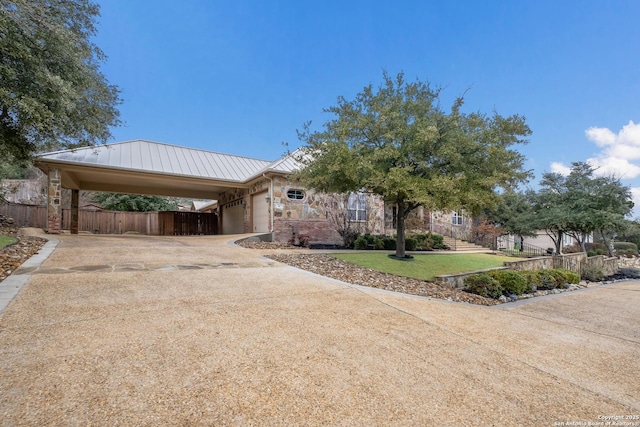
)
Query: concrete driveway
[{"x": 135, "y": 330}]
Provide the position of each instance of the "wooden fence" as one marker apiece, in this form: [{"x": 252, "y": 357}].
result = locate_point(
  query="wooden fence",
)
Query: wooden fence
[{"x": 113, "y": 222}]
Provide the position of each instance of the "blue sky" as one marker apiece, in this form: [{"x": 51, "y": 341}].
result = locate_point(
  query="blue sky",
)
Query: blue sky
[{"x": 239, "y": 77}]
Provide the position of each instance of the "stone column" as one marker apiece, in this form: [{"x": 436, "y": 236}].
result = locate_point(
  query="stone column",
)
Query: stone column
[
  {"x": 54, "y": 207},
  {"x": 74, "y": 211}
]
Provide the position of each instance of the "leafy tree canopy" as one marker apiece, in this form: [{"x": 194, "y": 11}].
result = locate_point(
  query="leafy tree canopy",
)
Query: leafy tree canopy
[
  {"x": 580, "y": 204},
  {"x": 396, "y": 141},
  {"x": 512, "y": 214},
  {"x": 135, "y": 203},
  {"x": 52, "y": 93}
]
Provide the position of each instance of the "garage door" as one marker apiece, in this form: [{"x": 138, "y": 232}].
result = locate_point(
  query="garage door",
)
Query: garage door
[
  {"x": 260, "y": 212},
  {"x": 233, "y": 218}
]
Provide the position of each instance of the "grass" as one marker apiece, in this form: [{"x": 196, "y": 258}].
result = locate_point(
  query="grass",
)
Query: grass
[
  {"x": 425, "y": 267},
  {"x": 6, "y": 241}
]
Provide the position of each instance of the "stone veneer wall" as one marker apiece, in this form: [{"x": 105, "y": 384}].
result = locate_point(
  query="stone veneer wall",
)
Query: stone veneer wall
[
  {"x": 54, "y": 209},
  {"x": 574, "y": 262}
]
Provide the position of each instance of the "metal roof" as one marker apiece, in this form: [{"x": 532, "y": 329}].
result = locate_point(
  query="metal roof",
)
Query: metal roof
[{"x": 155, "y": 157}]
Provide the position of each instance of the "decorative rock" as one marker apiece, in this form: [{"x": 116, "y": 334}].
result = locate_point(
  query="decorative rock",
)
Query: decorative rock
[{"x": 503, "y": 299}]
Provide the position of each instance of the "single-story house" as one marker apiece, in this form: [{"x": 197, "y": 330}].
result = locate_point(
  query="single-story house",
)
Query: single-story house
[{"x": 251, "y": 195}]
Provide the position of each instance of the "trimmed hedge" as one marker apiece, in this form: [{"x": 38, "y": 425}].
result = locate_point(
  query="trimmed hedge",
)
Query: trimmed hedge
[
  {"x": 512, "y": 282},
  {"x": 625, "y": 248},
  {"x": 413, "y": 242},
  {"x": 483, "y": 284}
]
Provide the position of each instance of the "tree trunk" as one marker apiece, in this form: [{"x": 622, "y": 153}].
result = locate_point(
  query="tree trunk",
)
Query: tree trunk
[
  {"x": 559, "y": 243},
  {"x": 400, "y": 239},
  {"x": 607, "y": 242},
  {"x": 583, "y": 246}
]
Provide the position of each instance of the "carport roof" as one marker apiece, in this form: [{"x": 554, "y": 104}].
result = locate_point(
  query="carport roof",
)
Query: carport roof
[{"x": 121, "y": 166}]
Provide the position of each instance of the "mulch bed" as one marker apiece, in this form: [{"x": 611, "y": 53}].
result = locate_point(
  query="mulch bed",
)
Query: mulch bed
[{"x": 12, "y": 256}]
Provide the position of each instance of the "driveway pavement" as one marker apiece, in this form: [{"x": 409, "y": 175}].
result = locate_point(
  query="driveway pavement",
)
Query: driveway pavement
[{"x": 135, "y": 330}]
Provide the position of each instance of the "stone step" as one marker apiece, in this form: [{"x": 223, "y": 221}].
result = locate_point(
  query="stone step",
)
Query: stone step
[{"x": 462, "y": 246}]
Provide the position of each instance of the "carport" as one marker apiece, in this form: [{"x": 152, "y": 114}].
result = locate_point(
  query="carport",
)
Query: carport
[{"x": 145, "y": 167}]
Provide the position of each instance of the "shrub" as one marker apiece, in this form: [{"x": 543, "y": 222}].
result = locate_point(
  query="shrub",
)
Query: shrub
[
  {"x": 483, "y": 284},
  {"x": 410, "y": 244},
  {"x": 596, "y": 247},
  {"x": 438, "y": 241},
  {"x": 512, "y": 282},
  {"x": 361, "y": 243},
  {"x": 378, "y": 243},
  {"x": 625, "y": 248},
  {"x": 557, "y": 278},
  {"x": 592, "y": 273},
  {"x": 389, "y": 243},
  {"x": 533, "y": 278}
]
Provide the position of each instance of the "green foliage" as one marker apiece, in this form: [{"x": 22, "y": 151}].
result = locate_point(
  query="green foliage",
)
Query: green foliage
[
  {"x": 483, "y": 284},
  {"x": 592, "y": 273},
  {"x": 135, "y": 203},
  {"x": 52, "y": 93},
  {"x": 361, "y": 243},
  {"x": 512, "y": 282},
  {"x": 512, "y": 214},
  {"x": 378, "y": 243},
  {"x": 397, "y": 142},
  {"x": 428, "y": 241},
  {"x": 625, "y": 248},
  {"x": 410, "y": 244},
  {"x": 389, "y": 243},
  {"x": 557, "y": 278},
  {"x": 6, "y": 241},
  {"x": 579, "y": 204},
  {"x": 10, "y": 170}
]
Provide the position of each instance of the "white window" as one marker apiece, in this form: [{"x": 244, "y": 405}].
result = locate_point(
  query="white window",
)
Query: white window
[
  {"x": 456, "y": 218},
  {"x": 295, "y": 194},
  {"x": 357, "y": 207}
]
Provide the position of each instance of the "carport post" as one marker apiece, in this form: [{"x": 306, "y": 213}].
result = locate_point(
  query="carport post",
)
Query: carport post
[
  {"x": 74, "y": 211},
  {"x": 54, "y": 195}
]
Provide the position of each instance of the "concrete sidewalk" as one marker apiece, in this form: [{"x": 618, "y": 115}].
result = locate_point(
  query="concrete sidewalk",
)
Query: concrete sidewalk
[{"x": 136, "y": 330}]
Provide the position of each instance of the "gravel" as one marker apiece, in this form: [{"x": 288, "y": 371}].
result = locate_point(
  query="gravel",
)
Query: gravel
[
  {"x": 12, "y": 256},
  {"x": 329, "y": 266}
]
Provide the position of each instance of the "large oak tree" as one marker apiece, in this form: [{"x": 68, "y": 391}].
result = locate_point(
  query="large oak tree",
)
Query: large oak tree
[
  {"x": 52, "y": 92},
  {"x": 396, "y": 141}
]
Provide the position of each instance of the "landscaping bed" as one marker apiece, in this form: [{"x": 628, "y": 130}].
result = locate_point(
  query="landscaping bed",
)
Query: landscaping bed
[
  {"x": 329, "y": 266},
  {"x": 13, "y": 255}
]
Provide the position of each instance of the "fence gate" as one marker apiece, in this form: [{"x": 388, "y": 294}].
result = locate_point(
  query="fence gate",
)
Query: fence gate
[{"x": 187, "y": 223}]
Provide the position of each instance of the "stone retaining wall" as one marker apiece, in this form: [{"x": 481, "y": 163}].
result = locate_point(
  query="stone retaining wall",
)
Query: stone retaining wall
[{"x": 574, "y": 262}]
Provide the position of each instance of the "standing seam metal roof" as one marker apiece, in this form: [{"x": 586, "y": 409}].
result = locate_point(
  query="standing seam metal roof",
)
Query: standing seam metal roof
[{"x": 156, "y": 157}]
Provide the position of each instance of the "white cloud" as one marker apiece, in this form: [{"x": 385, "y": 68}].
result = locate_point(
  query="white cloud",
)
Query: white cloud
[
  {"x": 601, "y": 136},
  {"x": 623, "y": 145},
  {"x": 619, "y": 150},
  {"x": 614, "y": 166},
  {"x": 560, "y": 168}
]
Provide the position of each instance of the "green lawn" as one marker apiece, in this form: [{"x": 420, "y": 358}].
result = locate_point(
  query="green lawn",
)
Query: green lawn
[
  {"x": 426, "y": 266},
  {"x": 6, "y": 240}
]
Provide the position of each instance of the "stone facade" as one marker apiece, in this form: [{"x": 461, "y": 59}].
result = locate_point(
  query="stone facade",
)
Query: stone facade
[
  {"x": 298, "y": 212},
  {"x": 54, "y": 208}
]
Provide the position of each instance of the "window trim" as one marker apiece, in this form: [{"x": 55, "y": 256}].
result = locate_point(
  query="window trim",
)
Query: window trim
[
  {"x": 360, "y": 213},
  {"x": 297, "y": 193},
  {"x": 457, "y": 218}
]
